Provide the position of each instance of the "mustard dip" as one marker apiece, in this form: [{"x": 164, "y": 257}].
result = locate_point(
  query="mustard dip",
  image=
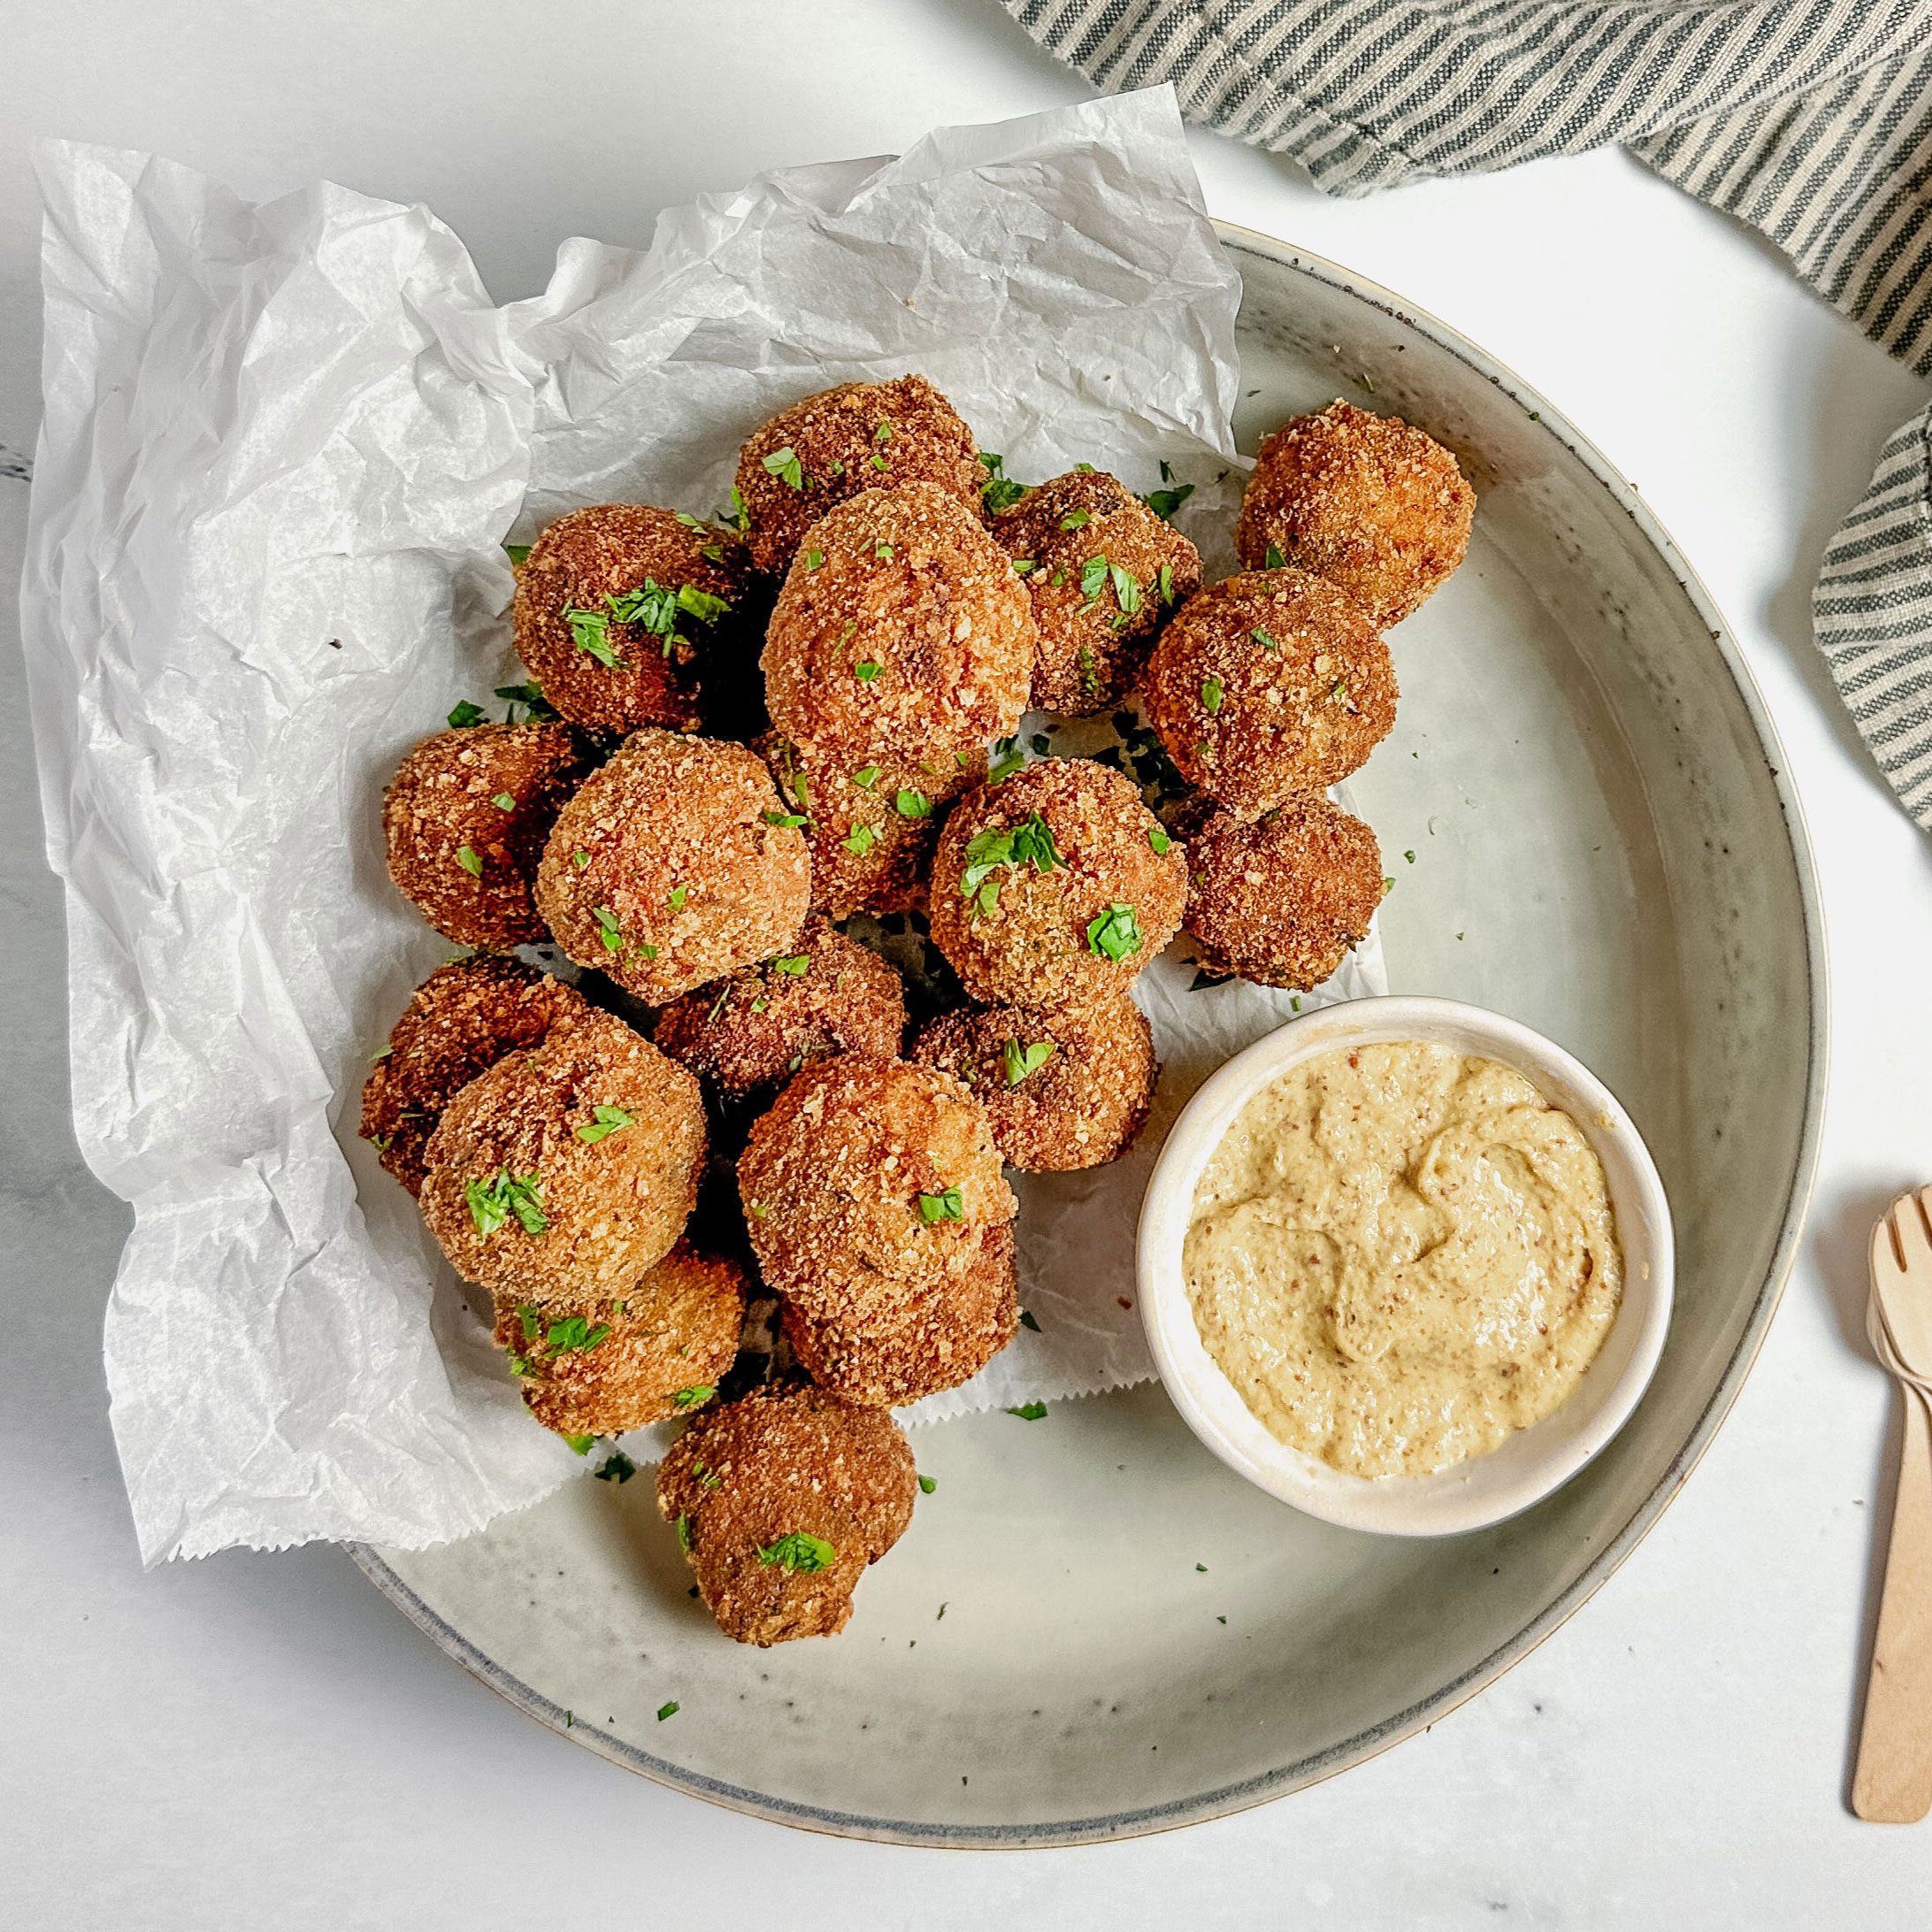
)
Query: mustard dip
[{"x": 1401, "y": 1255}]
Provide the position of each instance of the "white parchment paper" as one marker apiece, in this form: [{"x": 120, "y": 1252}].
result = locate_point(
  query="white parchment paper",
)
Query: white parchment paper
[{"x": 282, "y": 445}]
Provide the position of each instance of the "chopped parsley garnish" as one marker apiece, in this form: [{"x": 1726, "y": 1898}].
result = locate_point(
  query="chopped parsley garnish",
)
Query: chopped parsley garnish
[
  {"x": 1024, "y": 566},
  {"x": 1076, "y": 519},
  {"x": 1093, "y": 577},
  {"x": 785, "y": 821},
  {"x": 860, "y": 840},
  {"x": 466, "y": 715},
  {"x": 1007, "y": 759},
  {"x": 1031, "y": 843},
  {"x": 943, "y": 1206},
  {"x": 1029, "y": 1411},
  {"x": 1410, "y": 857},
  {"x": 574, "y": 1334},
  {"x": 999, "y": 491},
  {"x": 531, "y": 697},
  {"x": 590, "y": 631},
  {"x": 783, "y": 465},
  {"x": 1116, "y": 933},
  {"x": 669, "y": 1709},
  {"x": 1157, "y": 837},
  {"x": 580, "y": 860},
  {"x": 1090, "y": 678},
  {"x": 1022, "y": 1059},
  {"x": 608, "y": 929},
  {"x": 866, "y": 777},
  {"x": 1164, "y": 504},
  {"x": 1028, "y": 1321},
  {"x": 737, "y": 516},
  {"x": 493, "y": 1202},
  {"x": 1212, "y": 691},
  {"x": 699, "y": 1392},
  {"x": 516, "y": 553},
  {"x": 689, "y": 521},
  {"x": 867, "y": 671},
  {"x": 800, "y": 1553},
  {"x": 877, "y": 462},
  {"x": 580, "y": 1445},
  {"x": 1126, "y": 589},
  {"x": 684, "y": 1531},
  {"x": 1273, "y": 559},
  {"x": 677, "y": 896},
  {"x": 928, "y": 1483},
  {"x": 814, "y": 559},
  {"x": 504, "y": 802},
  {"x": 1166, "y": 583},
  {"x": 471, "y": 860},
  {"x": 617, "y": 1467},
  {"x": 1266, "y": 638},
  {"x": 607, "y": 1120},
  {"x": 794, "y": 963},
  {"x": 911, "y": 804},
  {"x": 884, "y": 433},
  {"x": 883, "y": 550}
]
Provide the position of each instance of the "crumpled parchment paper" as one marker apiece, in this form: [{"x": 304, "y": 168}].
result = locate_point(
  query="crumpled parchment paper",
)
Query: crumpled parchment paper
[{"x": 283, "y": 446}]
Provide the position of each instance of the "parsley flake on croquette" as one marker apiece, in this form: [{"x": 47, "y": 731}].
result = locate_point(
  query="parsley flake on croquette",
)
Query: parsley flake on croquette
[
  {"x": 1116, "y": 933},
  {"x": 799, "y": 1553},
  {"x": 493, "y": 1202}
]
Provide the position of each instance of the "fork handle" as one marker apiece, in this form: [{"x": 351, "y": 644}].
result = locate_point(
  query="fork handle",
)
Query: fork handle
[{"x": 1892, "y": 1783}]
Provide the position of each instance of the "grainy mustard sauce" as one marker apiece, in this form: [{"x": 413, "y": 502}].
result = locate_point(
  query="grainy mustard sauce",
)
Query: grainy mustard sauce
[{"x": 1401, "y": 1255}]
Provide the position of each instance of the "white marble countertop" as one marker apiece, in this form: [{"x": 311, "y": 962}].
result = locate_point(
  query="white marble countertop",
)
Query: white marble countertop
[{"x": 262, "y": 1740}]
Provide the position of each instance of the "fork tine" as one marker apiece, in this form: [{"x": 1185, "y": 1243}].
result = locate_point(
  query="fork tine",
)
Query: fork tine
[
  {"x": 1886, "y": 1259},
  {"x": 1910, "y": 1232}
]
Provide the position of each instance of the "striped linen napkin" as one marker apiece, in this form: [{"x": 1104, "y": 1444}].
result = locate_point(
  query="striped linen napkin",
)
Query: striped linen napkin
[{"x": 1811, "y": 120}]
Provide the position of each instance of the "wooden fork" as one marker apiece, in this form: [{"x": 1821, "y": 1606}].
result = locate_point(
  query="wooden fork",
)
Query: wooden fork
[{"x": 1892, "y": 1782}]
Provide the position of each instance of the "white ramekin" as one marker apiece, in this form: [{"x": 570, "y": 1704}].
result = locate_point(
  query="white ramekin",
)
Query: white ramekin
[{"x": 1526, "y": 1468}]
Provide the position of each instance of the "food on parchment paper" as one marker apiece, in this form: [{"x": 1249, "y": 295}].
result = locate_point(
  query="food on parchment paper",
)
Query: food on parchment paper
[
  {"x": 901, "y": 631},
  {"x": 831, "y": 447},
  {"x": 566, "y": 1170},
  {"x": 1283, "y": 900},
  {"x": 747, "y": 1034},
  {"x": 1054, "y": 886},
  {"x": 870, "y": 822},
  {"x": 464, "y": 819},
  {"x": 674, "y": 864},
  {"x": 1375, "y": 506},
  {"x": 780, "y": 1500},
  {"x": 621, "y": 610},
  {"x": 600, "y": 1365},
  {"x": 884, "y": 1357},
  {"x": 1064, "y": 1087},
  {"x": 1104, "y": 573},
  {"x": 1268, "y": 685},
  {"x": 460, "y": 1021}
]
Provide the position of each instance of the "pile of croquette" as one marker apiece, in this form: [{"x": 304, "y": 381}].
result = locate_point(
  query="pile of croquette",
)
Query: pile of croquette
[{"x": 756, "y": 755}]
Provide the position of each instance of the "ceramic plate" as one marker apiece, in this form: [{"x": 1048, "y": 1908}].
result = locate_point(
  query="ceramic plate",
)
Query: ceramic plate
[{"x": 1093, "y": 1628}]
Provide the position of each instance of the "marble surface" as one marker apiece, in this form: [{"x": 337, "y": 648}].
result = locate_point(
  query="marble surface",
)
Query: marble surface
[{"x": 258, "y": 1740}]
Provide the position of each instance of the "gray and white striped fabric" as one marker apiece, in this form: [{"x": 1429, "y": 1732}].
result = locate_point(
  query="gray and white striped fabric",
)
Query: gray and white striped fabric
[{"x": 1811, "y": 120}]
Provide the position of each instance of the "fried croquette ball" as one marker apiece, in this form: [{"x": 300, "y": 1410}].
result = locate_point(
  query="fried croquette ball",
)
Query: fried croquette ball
[
  {"x": 567, "y": 1170},
  {"x": 674, "y": 864},
  {"x": 619, "y": 608},
  {"x": 748, "y": 1034},
  {"x": 901, "y": 630},
  {"x": 870, "y": 822},
  {"x": 781, "y": 1499},
  {"x": 607, "y": 1364},
  {"x": 886, "y": 1357},
  {"x": 460, "y": 1021},
  {"x": 1103, "y": 572},
  {"x": 1064, "y": 1088},
  {"x": 1268, "y": 685},
  {"x": 841, "y": 442},
  {"x": 466, "y": 817},
  {"x": 1281, "y": 901},
  {"x": 869, "y": 1183},
  {"x": 1055, "y": 887},
  {"x": 1372, "y": 504}
]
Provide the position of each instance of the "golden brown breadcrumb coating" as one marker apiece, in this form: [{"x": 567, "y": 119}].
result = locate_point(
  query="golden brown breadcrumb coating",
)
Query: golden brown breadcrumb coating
[
  {"x": 466, "y": 817},
  {"x": 1104, "y": 573},
  {"x": 608, "y": 1364},
  {"x": 901, "y": 629},
  {"x": 1281, "y": 901},
  {"x": 1375, "y": 507},
  {"x": 1064, "y": 1088},
  {"x": 831, "y": 447},
  {"x": 870, "y": 822},
  {"x": 674, "y": 865},
  {"x": 655, "y": 597},
  {"x": 461, "y": 1021},
  {"x": 1056, "y": 886},
  {"x": 869, "y": 1184},
  {"x": 566, "y": 1170},
  {"x": 750, "y": 1033},
  {"x": 886, "y": 1357},
  {"x": 1268, "y": 685},
  {"x": 781, "y": 1499}
]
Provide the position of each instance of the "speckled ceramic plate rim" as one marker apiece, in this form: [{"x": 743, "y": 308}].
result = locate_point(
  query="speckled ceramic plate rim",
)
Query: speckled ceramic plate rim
[{"x": 1353, "y": 1750}]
